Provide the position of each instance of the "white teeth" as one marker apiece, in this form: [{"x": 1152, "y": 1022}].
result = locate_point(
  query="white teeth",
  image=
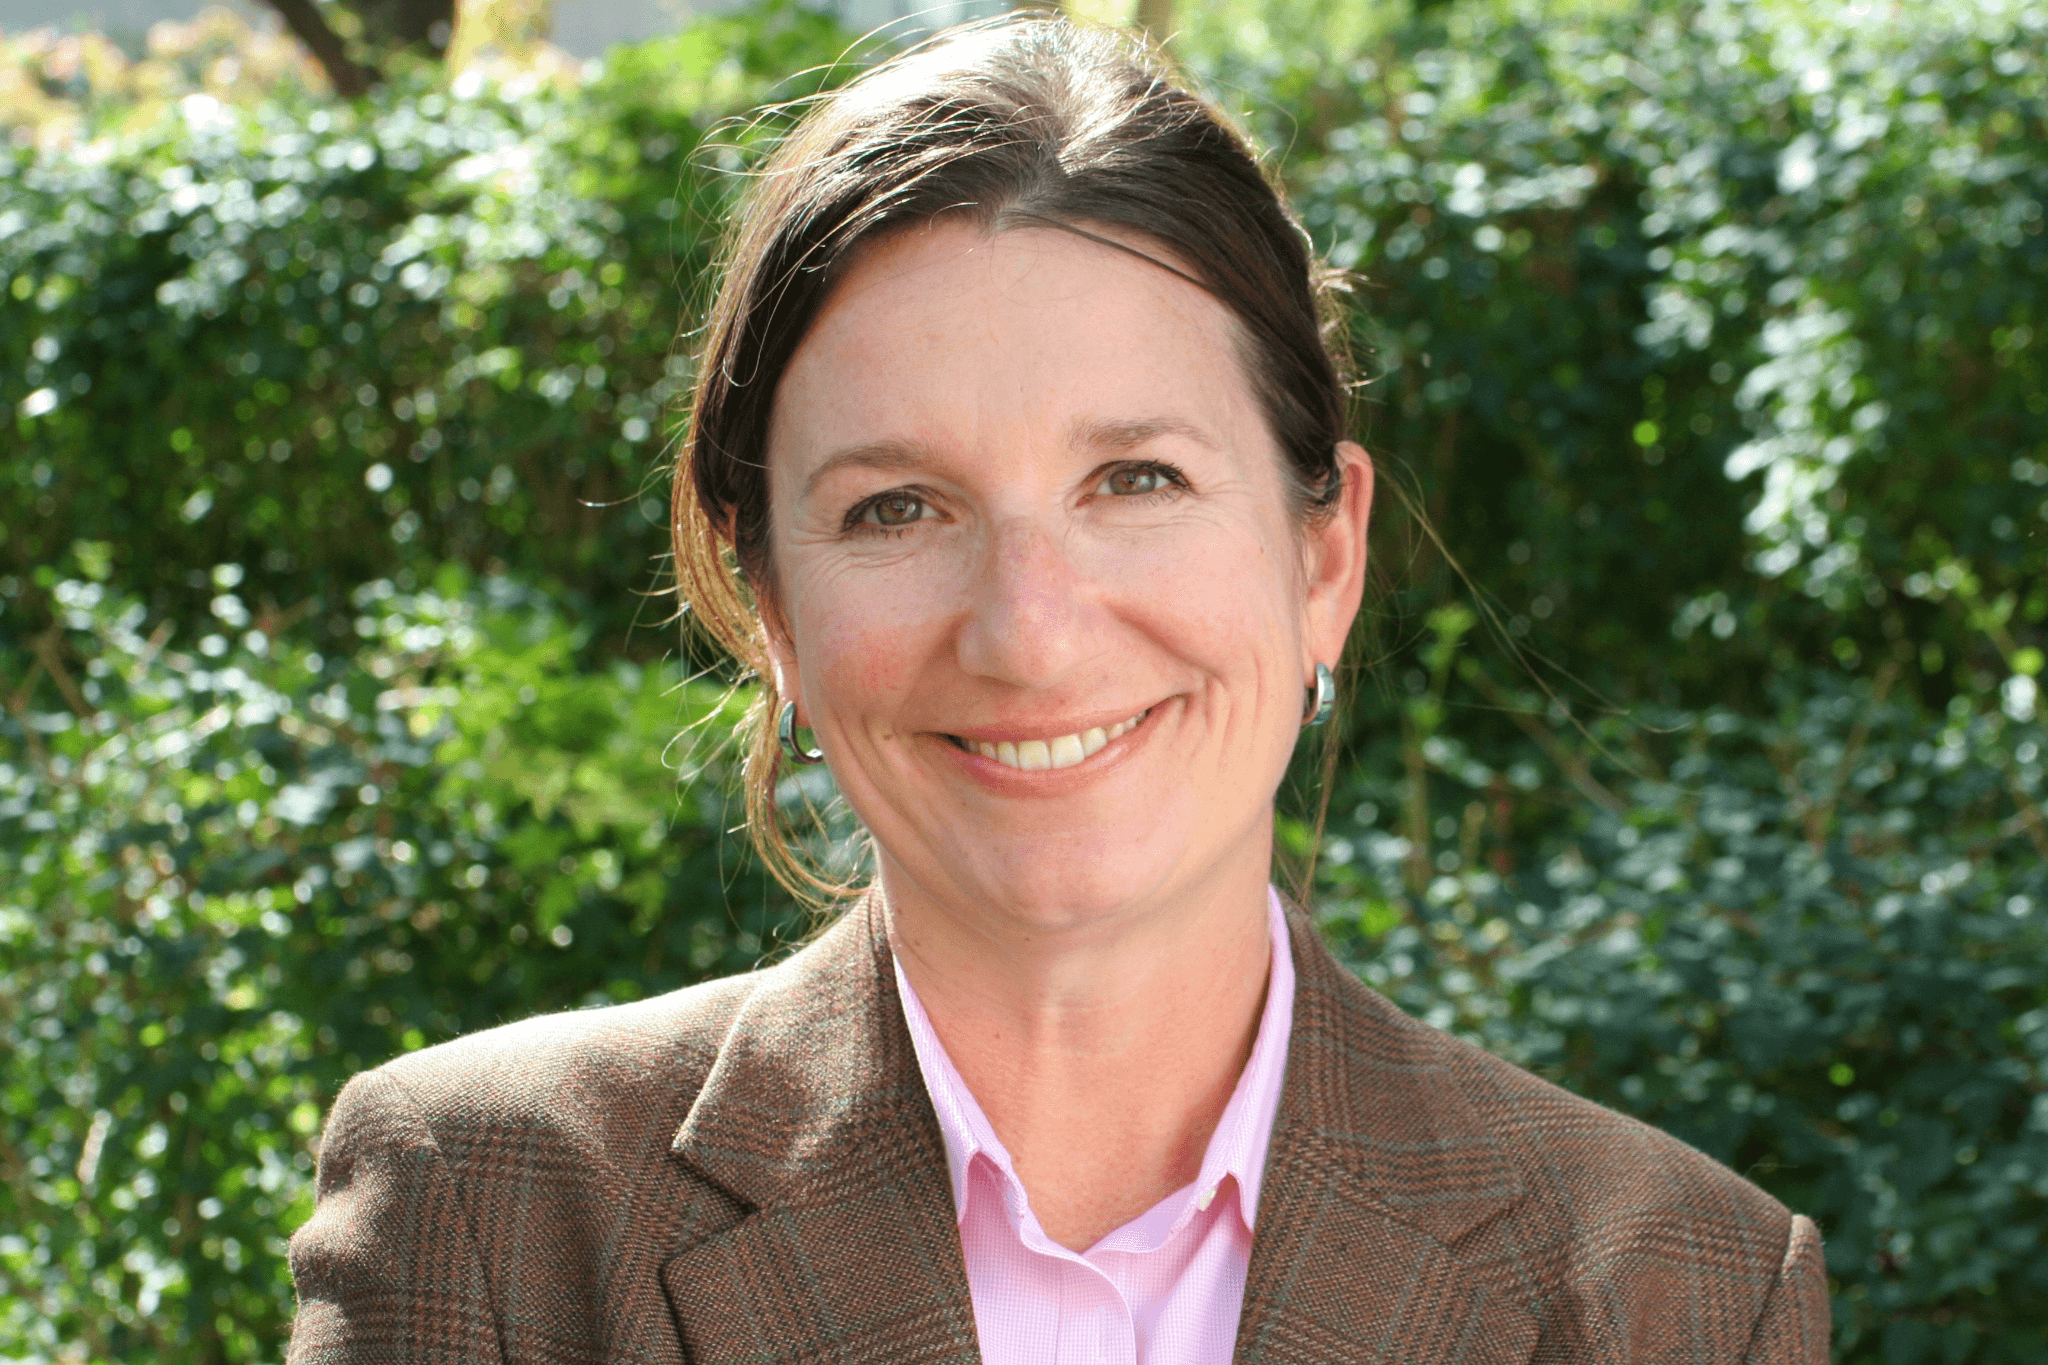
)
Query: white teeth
[{"x": 1039, "y": 755}]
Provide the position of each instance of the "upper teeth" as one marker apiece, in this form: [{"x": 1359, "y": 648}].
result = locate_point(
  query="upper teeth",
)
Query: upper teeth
[{"x": 1037, "y": 755}]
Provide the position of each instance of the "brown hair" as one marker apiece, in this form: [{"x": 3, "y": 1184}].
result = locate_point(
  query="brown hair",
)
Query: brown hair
[{"x": 1024, "y": 122}]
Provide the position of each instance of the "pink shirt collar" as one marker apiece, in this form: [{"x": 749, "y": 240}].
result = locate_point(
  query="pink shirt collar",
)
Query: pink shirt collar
[{"x": 1234, "y": 1162}]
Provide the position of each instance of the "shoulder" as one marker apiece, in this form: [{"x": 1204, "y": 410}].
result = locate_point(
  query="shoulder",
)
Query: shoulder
[
  {"x": 621, "y": 1076},
  {"x": 1575, "y": 1158},
  {"x": 1390, "y": 1072},
  {"x": 1592, "y": 1167},
  {"x": 1606, "y": 1227},
  {"x": 526, "y": 1164},
  {"x": 1449, "y": 1114},
  {"x": 602, "y": 1093}
]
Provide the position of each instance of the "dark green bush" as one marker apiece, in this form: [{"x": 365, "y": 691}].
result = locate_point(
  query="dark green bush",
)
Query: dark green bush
[
  {"x": 1706, "y": 338},
  {"x": 333, "y": 343},
  {"x": 1809, "y": 942},
  {"x": 236, "y": 873},
  {"x": 1711, "y": 314}
]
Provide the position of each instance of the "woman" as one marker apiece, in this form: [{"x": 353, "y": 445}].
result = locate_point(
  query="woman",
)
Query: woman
[{"x": 1017, "y": 420}]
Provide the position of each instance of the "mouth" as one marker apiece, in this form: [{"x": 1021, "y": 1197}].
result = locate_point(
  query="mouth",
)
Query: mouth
[{"x": 1046, "y": 755}]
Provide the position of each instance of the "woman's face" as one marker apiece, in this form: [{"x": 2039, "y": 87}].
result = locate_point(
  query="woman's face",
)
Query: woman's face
[{"x": 1037, "y": 587}]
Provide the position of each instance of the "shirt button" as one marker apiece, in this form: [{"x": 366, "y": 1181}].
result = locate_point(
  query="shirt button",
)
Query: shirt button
[{"x": 1206, "y": 1198}]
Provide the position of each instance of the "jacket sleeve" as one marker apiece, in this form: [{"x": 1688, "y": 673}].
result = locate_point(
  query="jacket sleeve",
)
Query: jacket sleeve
[
  {"x": 387, "y": 1268},
  {"x": 1793, "y": 1329}
]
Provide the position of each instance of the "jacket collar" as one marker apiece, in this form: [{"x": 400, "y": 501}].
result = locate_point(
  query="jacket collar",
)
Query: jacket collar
[
  {"x": 815, "y": 1119},
  {"x": 1378, "y": 1167},
  {"x": 1375, "y": 1093},
  {"x": 818, "y": 1060}
]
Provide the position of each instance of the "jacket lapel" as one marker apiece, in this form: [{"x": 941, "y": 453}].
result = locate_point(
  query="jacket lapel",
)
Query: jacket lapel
[
  {"x": 815, "y": 1120},
  {"x": 1377, "y": 1168}
]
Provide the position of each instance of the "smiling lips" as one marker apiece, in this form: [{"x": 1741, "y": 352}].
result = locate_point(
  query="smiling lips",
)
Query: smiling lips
[{"x": 1041, "y": 755}]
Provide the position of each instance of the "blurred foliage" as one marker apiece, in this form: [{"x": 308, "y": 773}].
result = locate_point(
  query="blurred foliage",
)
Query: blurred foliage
[
  {"x": 238, "y": 872},
  {"x": 331, "y": 343},
  {"x": 1712, "y": 316},
  {"x": 1695, "y": 763},
  {"x": 57, "y": 87}
]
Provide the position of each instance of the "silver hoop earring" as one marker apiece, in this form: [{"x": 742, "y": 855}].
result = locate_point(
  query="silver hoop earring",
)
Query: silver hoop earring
[
  {"x": 785, "y": 731},
  {"x": 1321, "y": 700}
]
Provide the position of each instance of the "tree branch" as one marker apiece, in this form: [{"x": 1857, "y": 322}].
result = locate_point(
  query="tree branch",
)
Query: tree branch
[
  {"x": 1574, "y": 769},
  {"x": 47, "y": 651},
  {"x": 349, "y": 78}
]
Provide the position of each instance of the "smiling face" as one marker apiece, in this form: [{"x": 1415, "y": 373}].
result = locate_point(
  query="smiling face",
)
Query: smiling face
[{"x": 1037, "y": 585}]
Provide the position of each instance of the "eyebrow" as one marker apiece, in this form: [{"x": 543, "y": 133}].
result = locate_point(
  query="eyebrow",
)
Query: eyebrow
[
  {"x": 892, "y": 455},
  {"x": 888, "y": 455},
  {"x": 1128, "y": 435}
]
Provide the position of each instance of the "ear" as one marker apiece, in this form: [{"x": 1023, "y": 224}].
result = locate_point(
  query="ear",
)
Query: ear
[
  {"x": 1334, "y": 560},
  {"x": 781, "y": 648}
]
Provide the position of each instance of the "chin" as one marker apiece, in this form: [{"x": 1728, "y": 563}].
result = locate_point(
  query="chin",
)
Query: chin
[{"x": 1056, "y": 881}]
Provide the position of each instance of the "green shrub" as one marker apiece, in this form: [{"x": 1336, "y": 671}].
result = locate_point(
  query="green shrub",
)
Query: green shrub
[
  {"x": 1811, "y": 943},
  {"x": 1709, "y": 309},
  {"x": 233, "y": 873},
  {"x": 334, "y": 343},
  {"x": 1705, "y": 339}
]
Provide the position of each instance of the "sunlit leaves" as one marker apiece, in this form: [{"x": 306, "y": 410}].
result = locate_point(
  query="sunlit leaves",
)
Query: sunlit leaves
[{"x": 237, "y": 312}]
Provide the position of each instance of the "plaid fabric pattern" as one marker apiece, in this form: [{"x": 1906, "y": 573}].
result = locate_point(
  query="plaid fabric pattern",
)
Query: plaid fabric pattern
[{"x": 750, "y": 1170}]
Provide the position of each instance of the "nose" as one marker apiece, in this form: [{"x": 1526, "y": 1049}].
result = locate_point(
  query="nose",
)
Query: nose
[{"x": 1028, "y": 608}]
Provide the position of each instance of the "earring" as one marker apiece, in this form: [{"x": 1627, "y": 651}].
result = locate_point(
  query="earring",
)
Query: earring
[
  {"x": 785, "y": 731},
  {"x": 1321, "y": 700}
]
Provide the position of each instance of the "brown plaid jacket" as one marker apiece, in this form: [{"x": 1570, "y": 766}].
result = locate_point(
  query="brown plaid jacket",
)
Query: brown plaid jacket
[{"x": 750, "y": 1170}]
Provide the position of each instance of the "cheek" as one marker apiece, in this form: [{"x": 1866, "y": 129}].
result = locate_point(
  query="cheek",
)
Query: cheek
[
  {"x": 864, "y": 636},
  {"x": 1224, "y": 591}
]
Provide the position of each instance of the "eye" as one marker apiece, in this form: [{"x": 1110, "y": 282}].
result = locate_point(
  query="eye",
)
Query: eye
[
  {"x": 899, "y": 507},
  {"x": 1137, "y": 480}
]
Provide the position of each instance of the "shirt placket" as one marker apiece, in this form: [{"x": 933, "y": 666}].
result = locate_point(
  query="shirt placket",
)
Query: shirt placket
[{"x": 1095, "y": 1322}]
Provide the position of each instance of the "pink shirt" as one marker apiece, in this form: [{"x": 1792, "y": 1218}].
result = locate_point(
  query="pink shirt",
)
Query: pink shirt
[{"x": 1163, "y": 1289}]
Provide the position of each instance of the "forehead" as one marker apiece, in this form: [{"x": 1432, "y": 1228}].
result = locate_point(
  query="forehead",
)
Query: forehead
[{"x": 953, "y": 335}]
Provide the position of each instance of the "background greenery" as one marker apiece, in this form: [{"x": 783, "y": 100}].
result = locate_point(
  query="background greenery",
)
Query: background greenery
[{"x": 1696, "y": 764}]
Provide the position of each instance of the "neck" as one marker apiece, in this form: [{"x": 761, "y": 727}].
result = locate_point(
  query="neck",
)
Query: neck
[{"x": 1103, "y": 1048}]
